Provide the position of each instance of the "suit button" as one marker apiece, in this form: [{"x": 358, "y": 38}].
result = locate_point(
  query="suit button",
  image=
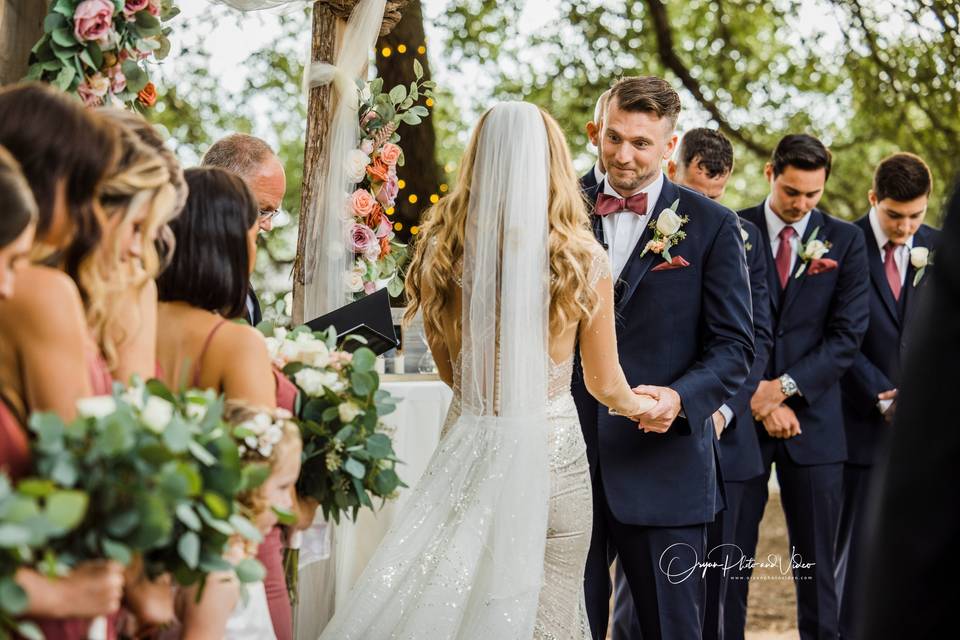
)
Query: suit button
[{"x": 780, "y": 333}]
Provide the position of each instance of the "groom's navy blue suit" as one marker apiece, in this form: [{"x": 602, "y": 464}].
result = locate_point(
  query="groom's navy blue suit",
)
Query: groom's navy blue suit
[
  {"x": 689, "y": 329},
  {"x": 818, "y": 323},
  {"x": 875, "y": 369}
]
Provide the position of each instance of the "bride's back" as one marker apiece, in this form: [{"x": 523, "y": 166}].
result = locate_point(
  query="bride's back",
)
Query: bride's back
[{"x": 435, "y": 278}]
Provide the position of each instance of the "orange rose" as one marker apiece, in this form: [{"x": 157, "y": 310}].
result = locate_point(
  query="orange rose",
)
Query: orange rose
[
  {"x": 384, "y": 246},
  {"x": 378, "y": 171},
  {"x": 148, "y": 95},
  {"x": 376, "y": 215}
]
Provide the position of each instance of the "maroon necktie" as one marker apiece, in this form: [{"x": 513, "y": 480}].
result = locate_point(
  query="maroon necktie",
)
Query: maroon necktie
[
  {"x": 890, "y": 268},
  {"x": 784, "y": 255},
  {"x": 607, "y": 204}
]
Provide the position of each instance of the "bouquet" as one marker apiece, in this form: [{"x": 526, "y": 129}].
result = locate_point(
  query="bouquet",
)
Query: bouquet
[
  {"x": 378, "y": 257},
  {"x": 348, "y": 458},
  {"x": 162, "y": 474},
  {"x": 98, "y": 49},
  {"x": 31, "y": 515}
]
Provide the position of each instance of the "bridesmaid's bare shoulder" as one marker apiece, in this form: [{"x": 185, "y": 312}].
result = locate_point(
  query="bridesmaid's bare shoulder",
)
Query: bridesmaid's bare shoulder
[{"x": 45, "y": 302}]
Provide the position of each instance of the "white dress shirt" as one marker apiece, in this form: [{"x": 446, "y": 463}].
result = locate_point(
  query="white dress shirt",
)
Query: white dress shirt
[
  {"x": 622, "y": 230},
  {"x": 597, "y": 174},
  {"x": 775, "y": 225},
  {"x": 901, "y": 254}
]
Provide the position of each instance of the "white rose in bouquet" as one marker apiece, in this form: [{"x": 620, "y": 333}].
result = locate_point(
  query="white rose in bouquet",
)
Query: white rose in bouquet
[
  {"x": 669, "y": 222},
  {"x": 356, "y": 165},
  {"x": 313, "y": 352},
  {"x": 355, "y": 281},
  {"x": 310, "y": 380},
  {"x": 157, "y": 414},
  {"x": 348, "y": 411},
  {"x": 96, "y": 406}
]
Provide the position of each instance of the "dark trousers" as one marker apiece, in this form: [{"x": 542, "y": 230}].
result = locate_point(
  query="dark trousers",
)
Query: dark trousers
[
  {"x": 660, "y": 568},
  {"x": 811, "y": 496},
  {"x": 850, "y": 545}
]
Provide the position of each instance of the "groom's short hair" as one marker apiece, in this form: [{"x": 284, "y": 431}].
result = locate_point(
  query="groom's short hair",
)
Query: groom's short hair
[
  {"x": 902, "y": 177},
  {"x": 647, "y": 94}
]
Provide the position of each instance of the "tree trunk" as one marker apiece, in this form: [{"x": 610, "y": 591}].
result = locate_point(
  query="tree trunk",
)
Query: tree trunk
[
  {"x": 21, "y": 25},
  {"x": 420, "y": 171},
  {"x": 327, "y": 33}
]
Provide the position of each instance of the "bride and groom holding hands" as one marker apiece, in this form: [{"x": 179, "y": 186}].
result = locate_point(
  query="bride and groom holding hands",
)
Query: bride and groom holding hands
[{"x": 542, "y": 309}]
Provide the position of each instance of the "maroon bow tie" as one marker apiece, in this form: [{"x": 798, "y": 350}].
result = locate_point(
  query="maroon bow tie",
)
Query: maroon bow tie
[{"x": 607, "y": 204}]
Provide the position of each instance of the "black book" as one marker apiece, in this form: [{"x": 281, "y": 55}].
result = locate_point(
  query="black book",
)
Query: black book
[{"x": 368, "y": 317}]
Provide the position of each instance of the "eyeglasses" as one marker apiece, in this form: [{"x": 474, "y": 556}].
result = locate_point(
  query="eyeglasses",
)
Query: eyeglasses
[{"x": 266, "y": 216}]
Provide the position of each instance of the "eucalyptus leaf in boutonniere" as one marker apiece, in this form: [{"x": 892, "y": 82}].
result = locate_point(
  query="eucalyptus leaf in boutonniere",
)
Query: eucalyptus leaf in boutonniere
[
  {"x": 920, "y": 258},
  {"x": 811, "y": 250},
  {"x": 667, "y": 232}
]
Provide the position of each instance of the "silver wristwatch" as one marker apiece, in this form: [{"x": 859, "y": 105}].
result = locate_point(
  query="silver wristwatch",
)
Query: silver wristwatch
[{"x": 788, "y": 386}]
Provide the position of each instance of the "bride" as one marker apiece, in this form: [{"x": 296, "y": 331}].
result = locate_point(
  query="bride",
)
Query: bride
[{"x": 493, "y": 540}]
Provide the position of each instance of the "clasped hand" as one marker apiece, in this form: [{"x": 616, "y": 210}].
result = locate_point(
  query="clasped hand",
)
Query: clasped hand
[{"x": 660, "y": 416}]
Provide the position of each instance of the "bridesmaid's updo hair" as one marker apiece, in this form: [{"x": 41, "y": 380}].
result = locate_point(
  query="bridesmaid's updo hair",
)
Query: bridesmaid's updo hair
[
  {"x": 210, "y": 268},
  {"x": 19, "y": 207}
]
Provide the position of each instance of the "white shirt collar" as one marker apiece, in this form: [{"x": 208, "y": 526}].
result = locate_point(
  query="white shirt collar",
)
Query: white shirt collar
[
  {"x": 652, "y": 190},
  {"x": 878, "y": 233},
  {"x": 597, "y": 174},
  {"x": 775, "y": 225}
]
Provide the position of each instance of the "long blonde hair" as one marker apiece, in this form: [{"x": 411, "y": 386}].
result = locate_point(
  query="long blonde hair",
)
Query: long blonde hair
[
  {"x": 440, "y": 244},
  {"x": 141, "y": 178}
]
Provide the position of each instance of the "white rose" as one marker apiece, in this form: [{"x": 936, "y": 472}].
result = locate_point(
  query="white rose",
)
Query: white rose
[
  {"x": 196, "y": 411},
  {"x": 356, "y": 165},
  {"x": 348, "y": 411},
  {"x": 669, "y": 222},
  {"x": 96, "y": 406},
  {"x": 744, "y": 234},
  {"x": 290, "y": 351},
  {"x": 354, "y": 282},
  {"x": 310, "y": 380},
  {"x": 919, "y": 257},
  {"x": 815, "y": 249},
  {"x": 274, "y": 345},
  {"x": 156, "y": 414}
]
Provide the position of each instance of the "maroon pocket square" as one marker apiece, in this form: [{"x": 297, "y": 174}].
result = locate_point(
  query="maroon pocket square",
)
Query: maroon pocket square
[
  {"x": 678, "y": 262},
  {"x": 821, "y": 265}
]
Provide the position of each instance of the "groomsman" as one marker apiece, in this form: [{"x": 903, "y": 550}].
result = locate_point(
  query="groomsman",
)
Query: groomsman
[
  {"x": 590, "y": 179},
  {"x": 818, "y": 283},
  {"x": 898, "y": 247},
  {"x": 683, "y": 330},
  {"x": 253, "y": 160}
]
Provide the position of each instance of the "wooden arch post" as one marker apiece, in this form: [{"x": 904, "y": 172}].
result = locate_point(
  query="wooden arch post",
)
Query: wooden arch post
[{"x": 329, "y": 22}]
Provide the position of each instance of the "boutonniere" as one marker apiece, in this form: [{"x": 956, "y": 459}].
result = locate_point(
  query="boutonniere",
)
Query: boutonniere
[
  {"x": 811, "y": 254},
  {"x": 667, "y": 232},
  {"x": 746, "y": 239},
  {"x": 920, "y": 258}
]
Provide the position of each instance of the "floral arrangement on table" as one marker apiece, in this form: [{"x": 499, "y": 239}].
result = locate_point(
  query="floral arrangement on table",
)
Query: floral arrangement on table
[
  {"x": 98, "y": 49},
  {"x": 378, "y": 257},
  {"x": 348, "y": 458},
  {"x": 162, "y": 473},
  {"x": 31, "y": 515}
]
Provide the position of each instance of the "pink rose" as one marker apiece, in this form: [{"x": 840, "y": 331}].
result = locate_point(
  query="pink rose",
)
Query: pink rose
[
  {"x": 390, "y": 154},
  {"x": 132, "y": 7},
  {"x": 384, "y": 229},
  {"x": 93, "y": 20},
  {"x": 154, "y": 7},
  {"x": 118, "y": 81},
  {"x": 362, "y": 203},
  {"x": 369, "y": 287},
  {"x": 387, "y": 195},
  {"x": 362, "y": 239},
  {"x": 94, "y": 89}
]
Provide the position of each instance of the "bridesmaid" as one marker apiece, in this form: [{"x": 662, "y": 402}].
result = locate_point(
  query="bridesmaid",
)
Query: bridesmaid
[
  {"x": 204, "y": 288},
  {"x": 47, "y": 358}
]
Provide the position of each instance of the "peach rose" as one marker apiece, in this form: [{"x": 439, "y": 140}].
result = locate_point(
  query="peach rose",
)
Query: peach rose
[
  {"x": 384, "y": 246},
  {"x": 154, "y": 7},
  {"x": 132, "y": 7},
  {"x": 94, "y": 89},
  {"x": 118, "y": 81},
  {"x": 390, "y": 154},
  {"x": 148, "y": 95},
  {"x": 93, "y": 20},
  {"x": 362, "y": 203},
  {"x": 378, "y": 171}
]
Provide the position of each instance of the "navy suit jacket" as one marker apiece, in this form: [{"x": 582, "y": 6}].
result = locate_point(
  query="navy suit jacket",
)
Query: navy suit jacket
[
  {"x": 690, "y": 329},
  {"x": 740, "y": 457},
  {"x": 818, "y": 323},
  {"x": 876, "y": 367},
  {"x": 588, "y": 181}
]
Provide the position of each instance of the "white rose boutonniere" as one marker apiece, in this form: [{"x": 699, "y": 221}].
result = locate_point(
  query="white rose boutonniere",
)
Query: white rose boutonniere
[
  {"x": 812, "y": 250},
  {"x": 920, "y": 258},
  {"x": 667, "y": 232},
  {"x": 746, "y": 239}
]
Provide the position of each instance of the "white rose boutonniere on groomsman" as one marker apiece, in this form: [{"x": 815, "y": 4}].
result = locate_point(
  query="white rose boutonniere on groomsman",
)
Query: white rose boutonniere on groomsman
[
  {"x": 811, "y": 255},
  {"x": 920, "y": 258},
  {"x": 667, "y": 233}
]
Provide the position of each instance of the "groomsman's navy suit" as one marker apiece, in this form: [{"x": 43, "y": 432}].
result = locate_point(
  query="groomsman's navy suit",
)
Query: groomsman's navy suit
[
  {"x": 876, "y": 368},
  {"x": 588, "y": 180},
  {"x": 688, "y": 328},
  {"x": 818, "y": 322}
]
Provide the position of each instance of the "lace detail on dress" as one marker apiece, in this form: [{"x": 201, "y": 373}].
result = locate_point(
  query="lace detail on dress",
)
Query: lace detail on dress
[{"x": 599, "y": 267}]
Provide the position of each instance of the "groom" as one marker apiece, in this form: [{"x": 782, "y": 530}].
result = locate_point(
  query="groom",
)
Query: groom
[{"x": 684, "y": 330}]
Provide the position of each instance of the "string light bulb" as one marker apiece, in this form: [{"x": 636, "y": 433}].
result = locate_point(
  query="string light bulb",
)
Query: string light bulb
[
  {"x": 391, "y": 211},
  {"x": 443, "y": 188},
  {"x": 434, "y": 198},
  {"x": 401, "y": 183},
  {"x": 386, "y": 52},
  {"x": 413, "y": 198},
  {"x": 401, "y": 48},
  {"x": 429, "y": 102},
  {"x": 422, "y": 49},
  {"x": 414, "y": 230},
  {"x": 397, "y": 226}
]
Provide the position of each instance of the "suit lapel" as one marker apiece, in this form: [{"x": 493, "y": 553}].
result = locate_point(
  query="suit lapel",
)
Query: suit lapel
[
  {"x": 636, "y": 266},
  {"x": 795, "y": 283},
  {"x": 596, "y": 222},
  {"x": 878, "y": 276},
  {"x": 921, "y": 239},
  {"x": 756, "y": 216}
]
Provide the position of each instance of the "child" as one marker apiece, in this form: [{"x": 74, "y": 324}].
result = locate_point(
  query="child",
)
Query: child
[{"x": 222, "y": 613}]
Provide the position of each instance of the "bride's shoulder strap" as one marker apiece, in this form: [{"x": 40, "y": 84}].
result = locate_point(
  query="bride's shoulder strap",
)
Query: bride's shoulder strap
[{"x": 599, "y": 266}]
